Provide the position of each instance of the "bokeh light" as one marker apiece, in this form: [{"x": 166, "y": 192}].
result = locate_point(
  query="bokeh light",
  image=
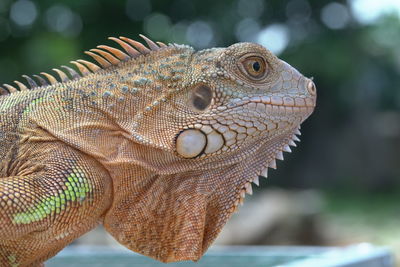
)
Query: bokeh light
[
  {"x": 247, "y": 29},
  {"x": 23, "y": 13},
  {"x": 61, "y": 19},
  {"x": 200, "y": 34},
  {"x": 275, "y": 37},
  {"x": 369, "y": 11},
  {"x": 179, "y": 32},
  {"x": 158, "y": 26},
  {"x": 335, "y": 16}
]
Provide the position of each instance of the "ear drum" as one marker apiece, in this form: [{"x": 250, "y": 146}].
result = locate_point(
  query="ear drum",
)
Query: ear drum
[{"x": 201, "y": 97}]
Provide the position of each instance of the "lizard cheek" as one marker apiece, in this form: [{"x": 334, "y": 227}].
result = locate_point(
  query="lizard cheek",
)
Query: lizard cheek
[{"x": 191, "y": 143}]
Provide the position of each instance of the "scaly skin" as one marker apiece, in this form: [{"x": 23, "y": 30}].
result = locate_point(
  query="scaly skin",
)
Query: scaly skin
[{"x": 159, "y": 147}]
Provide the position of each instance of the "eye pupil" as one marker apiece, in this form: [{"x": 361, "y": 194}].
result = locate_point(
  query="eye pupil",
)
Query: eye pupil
[{"x": 256, "y": 66}]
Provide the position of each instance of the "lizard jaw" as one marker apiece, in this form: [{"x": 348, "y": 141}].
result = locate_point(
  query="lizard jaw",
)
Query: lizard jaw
[{"x": 247, "y": 186}]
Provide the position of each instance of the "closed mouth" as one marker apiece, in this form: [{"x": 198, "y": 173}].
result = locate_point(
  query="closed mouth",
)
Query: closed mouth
[
  {"x": 284, "y": 101},
  {"x": 274, "y": 104}
]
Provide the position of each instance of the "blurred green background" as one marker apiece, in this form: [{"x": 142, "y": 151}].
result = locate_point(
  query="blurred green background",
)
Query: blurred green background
[{"x": 348, "y": 161}]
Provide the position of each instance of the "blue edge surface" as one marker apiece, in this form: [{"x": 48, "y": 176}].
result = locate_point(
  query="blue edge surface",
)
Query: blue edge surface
[{"x": 360, "y": 255}]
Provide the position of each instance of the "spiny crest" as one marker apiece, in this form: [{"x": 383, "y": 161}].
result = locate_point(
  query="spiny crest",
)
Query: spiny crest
[{"x": 104, "y": 55}]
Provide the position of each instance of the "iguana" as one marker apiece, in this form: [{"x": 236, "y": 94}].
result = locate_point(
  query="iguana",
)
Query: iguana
[{"x": 158, "y": 143}]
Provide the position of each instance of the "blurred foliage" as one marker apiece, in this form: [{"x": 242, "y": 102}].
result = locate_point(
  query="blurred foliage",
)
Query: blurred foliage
[
  {"x": 363, "y": 217},
  {"x": 351, "y": 141}
]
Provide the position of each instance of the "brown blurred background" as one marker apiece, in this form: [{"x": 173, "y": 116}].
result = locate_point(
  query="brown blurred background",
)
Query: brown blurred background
[{"x": 342, "y": 184}]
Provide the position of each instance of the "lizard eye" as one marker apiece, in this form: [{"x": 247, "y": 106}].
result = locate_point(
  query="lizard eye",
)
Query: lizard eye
[
  {"x": 254, "y": 67},
  {"x": 201, "y": 97}
]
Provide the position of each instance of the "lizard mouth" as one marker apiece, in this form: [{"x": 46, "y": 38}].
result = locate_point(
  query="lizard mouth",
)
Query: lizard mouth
[
  {"x": 276, "y": 104},
  {"x": 246, "y": 188}
]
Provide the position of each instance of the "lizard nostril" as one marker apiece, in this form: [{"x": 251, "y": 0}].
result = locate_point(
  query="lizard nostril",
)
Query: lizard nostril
[{"x": 311, "y": 87}]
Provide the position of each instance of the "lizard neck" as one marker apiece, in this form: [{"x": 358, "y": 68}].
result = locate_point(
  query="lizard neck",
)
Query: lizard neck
[{"x": 108, "y": 112}]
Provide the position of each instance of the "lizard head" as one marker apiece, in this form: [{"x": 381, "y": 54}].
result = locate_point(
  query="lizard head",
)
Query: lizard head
[
  {"x": 225, "y": 116},
  {"x": 238, "y": 95}
]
